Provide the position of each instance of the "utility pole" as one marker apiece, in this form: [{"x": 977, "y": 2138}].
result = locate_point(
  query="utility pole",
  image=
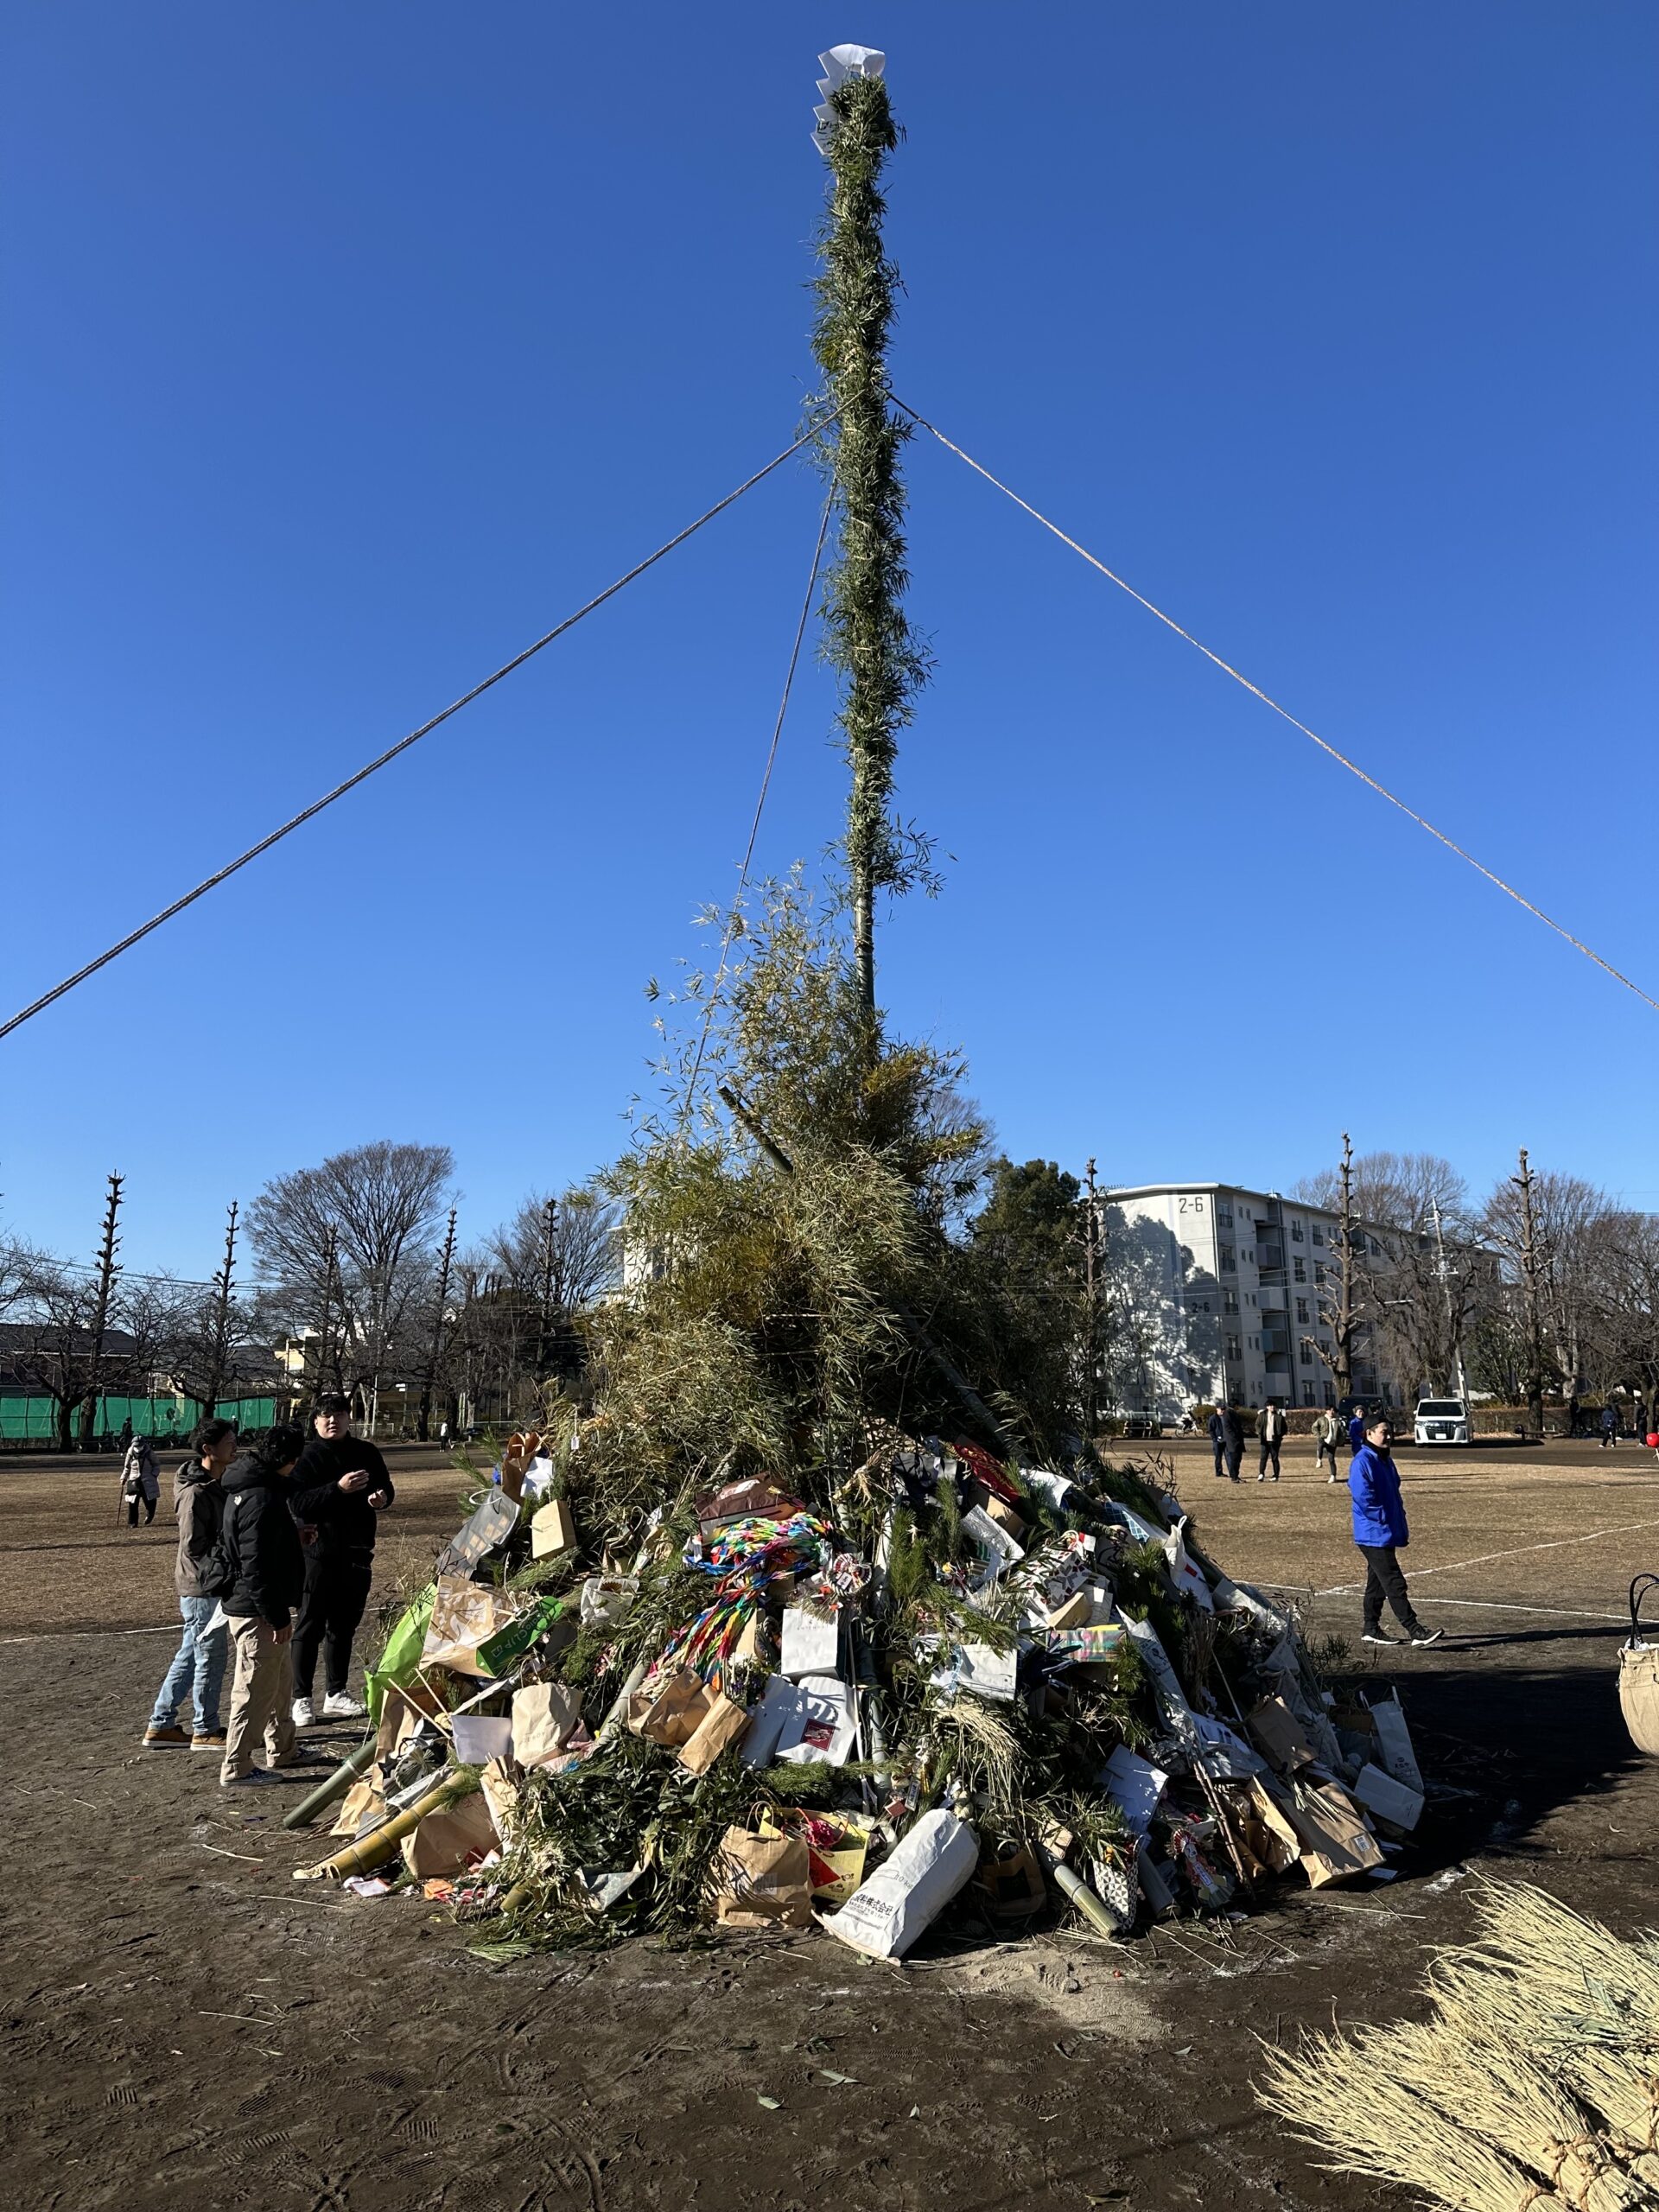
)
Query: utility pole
[
  {"x": 1091, "y": 1307},
  {"x": 106, "y": 1272},
  {"x": 866, "y": 635},
  {"x": 1529, "y": 1289},
  {"x": 423, "y": 1420},
  {"x": 220, "y": 1352}
]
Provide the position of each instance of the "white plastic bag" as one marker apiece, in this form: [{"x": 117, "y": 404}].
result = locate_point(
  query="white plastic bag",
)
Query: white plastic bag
[{"x": 886, "y": 1915}]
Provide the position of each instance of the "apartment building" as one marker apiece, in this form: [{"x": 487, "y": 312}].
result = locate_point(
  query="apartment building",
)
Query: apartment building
[{"x": 1215, "y": 1294}]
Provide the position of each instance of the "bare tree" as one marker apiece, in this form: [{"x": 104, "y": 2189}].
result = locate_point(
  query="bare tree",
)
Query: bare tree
[
  {"x": 355, "y": 1239},
  {"x": 1340, "y": 1301},
  {"x": 55, "y": 1347},
  {"x": 1567, "y": 1222}
]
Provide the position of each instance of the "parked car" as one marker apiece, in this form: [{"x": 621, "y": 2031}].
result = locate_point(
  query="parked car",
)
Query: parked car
[
  {"x": 1442, "y": 1421},
  {"x": 1141, "y": 1420}
]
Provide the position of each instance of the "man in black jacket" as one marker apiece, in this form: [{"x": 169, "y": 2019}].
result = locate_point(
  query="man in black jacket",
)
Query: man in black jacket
[
  {"x": 262, "y": 1538},
  {"x": 340, "y": 1486}
]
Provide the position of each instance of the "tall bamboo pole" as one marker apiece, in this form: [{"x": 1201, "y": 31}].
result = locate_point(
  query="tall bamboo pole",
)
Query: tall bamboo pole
[
  {"x": 866, "y": 635},
  {"x": 220, "y": 1352}
]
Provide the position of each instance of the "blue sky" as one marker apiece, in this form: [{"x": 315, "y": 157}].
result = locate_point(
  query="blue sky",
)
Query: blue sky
[{"x": 348, "y": 348}]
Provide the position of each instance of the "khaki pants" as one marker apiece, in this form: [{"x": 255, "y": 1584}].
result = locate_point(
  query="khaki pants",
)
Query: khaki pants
[{"x": 261, "y": 1699}]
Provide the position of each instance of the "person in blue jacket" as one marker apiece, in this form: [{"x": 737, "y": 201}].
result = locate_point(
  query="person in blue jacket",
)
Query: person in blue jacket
[{"x": 1380, "y": 1531}]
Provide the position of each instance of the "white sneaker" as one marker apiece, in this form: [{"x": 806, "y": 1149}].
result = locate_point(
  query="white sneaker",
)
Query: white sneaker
[
  {"x": 305, "y": 1714},
  {"x": 338, "y": 1707}
]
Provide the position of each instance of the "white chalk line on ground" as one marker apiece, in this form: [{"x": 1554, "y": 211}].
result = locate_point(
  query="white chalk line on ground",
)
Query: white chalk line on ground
[
  {"x": 1479, "y": 1605},
  {"x": 1486, "y": 1559},
  {"x": 47, "y": 1635}
]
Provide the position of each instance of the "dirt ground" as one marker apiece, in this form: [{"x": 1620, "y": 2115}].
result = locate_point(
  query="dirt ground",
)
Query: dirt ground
[{"x": 183, "y": 2022}]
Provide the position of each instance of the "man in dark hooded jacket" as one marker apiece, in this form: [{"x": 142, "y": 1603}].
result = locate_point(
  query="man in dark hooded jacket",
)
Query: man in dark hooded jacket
[
  {"x": 340, "y": 1486},
  {"x": 262, "y": 1538}
]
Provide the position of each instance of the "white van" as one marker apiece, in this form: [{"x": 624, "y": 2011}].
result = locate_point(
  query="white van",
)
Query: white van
[{"x": 1442, "y": 1421}]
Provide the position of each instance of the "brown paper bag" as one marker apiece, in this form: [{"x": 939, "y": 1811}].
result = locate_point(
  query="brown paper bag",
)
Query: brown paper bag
[
  {"x": 500, "y": 1793},
  {"x": 542, "y": 1717},
  {"x": 669, "y": 1711},
  {"x": 1279, "y": 1736},
  {"x": 363, "y": 1802},
  {"x": 552, "y": 1531},
  {"x": 446, "y": 1841},
  {"x": 1265, "y": 1840},
  {"x": 1336, "y": 1843},
  {"x": 764, "y": 1881},
  {"x": 721, "y": 1725},
  {"x": 464, "y": 1615}
]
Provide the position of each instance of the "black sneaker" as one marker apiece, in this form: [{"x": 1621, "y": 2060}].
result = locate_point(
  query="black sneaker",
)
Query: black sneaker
[
  {"x": 1426, "y": 1636},
  {"x": 1376, "y": 1636}
]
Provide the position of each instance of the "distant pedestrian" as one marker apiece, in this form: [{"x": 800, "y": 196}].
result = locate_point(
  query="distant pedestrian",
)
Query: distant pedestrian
[
  {"x": 197, "y": 1668},
  {"x": 443, "y": 1436},
  {"x": 262, "y": 1539},
  {"x": 1217, "y": 1429},
  {"x": 141, "y": 1480},
  {"x": 1609, "y": 1441},
  {"x": 1326, "y": 1430},
  {"x": 125, "y": 1437},
  {"x": 1573, "y": 1414},
  {"x": 1356, "y": 1430},
  {"x": 1638, "y": 1418},
  {"x": 1232, "y": 1439},
  {"x": 1269, "y": 1436},
  {"x": 1380, "y": 1532}
]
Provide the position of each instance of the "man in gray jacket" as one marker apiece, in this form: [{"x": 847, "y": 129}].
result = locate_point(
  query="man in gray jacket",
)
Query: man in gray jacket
[{"x": 197, "y": 1668}]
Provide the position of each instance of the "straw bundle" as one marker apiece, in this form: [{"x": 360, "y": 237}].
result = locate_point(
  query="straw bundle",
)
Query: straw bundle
[
  {"x": 1496, "y": 2088},
  {"x": 1336, "y": 2097},
  {"x": 1480, "y": 2002},
  {"x": 1548, "y": 1946}
]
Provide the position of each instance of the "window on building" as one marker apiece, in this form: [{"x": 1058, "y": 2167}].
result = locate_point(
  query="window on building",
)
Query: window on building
[
  {"x": 1308, "y": 1356},
  {"x": 1229, "y": 1259},
  {"x": 1250, "y": 1294},
  {"x": 1329, "y": 1391},
  {"x": 1229, "y": 1301},
  {"x": 1296, "y": 1232},
  {"x": 1232, "y": 1348},
  {"x": 1307, "y": 1394},
  {"x": 1256, "y": 1343},
  {"x": 1301, "y": 1311},
  {"x": 1300, "y": 1266},
  {"x": 1376, "y": 1250},
  {"x": 1223, "y": 1213},
  {"x": 1318, "y": 1271},
  {"x": 1318, "y": 1233}
]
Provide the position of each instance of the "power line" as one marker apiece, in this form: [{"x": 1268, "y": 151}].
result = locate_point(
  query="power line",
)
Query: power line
[
  {"x": 403, "y": 743},
  {"x": 1227, "y": 668}
]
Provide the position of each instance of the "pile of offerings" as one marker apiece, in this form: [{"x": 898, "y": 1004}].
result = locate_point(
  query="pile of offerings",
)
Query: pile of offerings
[{"x": 942, "y": 1683}]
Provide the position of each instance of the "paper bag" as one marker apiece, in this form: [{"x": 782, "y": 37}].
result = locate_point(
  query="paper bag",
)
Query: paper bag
[
  {"x": 837, "y": 1845},
  {"x": 553, "y": 1530},
  {"x": 479, "y": 1738},
  {"x": 363, "y": 1807},
  {"x": 763, "y": 1881},
  {"x": 501, "y": 1793},
  {"x": 779, "y": 1707},
  {"x": 487, "y": 1529},
  {"x": 721, "y": 1725},
  {"x": 446, "y": 1841},
  {"x": 464, "y": 1615},
  {"x": 1265, "y": 1840},
  {"x": 1279, "y": 1736},
  {"x": 1336, "y": 1843},
  {"x": 821, "y": 1724},
  {"x": 671, "y": 1710},
  {"x": 1397, "y": 1803},
  {"x": 886, "y": 1915},
  {"x": 811, "y": 1641},
  {"x": 542, "y": 1717}
]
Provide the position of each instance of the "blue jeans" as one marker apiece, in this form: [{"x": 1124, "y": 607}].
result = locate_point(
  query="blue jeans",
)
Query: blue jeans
[{"x": 198, "y": 1670}]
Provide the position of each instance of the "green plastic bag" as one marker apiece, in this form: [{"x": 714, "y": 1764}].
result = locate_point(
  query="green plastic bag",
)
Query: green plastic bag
[{"x": 398, "y": 1663}]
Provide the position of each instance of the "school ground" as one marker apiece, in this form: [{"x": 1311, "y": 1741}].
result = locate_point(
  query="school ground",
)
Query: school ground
[{"x": 184, "y": 2023}]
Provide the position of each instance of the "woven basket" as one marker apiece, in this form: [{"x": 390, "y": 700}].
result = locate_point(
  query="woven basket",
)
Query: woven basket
[{"x": 1639, "y": 1676}]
